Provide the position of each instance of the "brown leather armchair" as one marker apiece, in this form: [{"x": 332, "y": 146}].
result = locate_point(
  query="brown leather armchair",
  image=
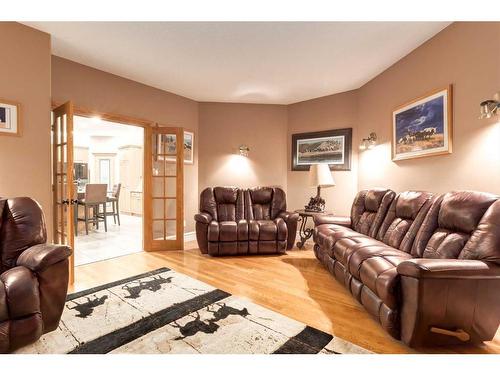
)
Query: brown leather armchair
[
  {"x": 429, "y": 271},
  {"x": 233, "y": 221},
  {"x": 33, "y": 275}
]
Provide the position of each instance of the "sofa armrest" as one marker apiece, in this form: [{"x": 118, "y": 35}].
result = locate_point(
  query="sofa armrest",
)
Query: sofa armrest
[
  {"x": 344, "y": 221},
  {"x": 448, "y": 301},
  {"x": 39, "y": 257},
  {"x": 203, "y": 218},
  {"x": 291, "y": 219},
  {"x": 448, "y": 269},
  {"x": 282, "y": 229},
  {"x": 288, "y": 216}
]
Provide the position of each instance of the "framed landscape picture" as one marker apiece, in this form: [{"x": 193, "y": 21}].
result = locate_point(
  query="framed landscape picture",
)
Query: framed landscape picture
[
  {"x": 423, "y": 127},
  {"x": 9, "y": 118},
  {"x": 330, "y": 146}
]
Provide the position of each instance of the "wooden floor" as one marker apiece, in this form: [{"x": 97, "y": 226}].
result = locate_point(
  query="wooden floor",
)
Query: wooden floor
[{"x": 295, "y": 285}]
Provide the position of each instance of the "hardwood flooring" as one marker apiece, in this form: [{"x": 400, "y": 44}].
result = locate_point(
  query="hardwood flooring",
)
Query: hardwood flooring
[{"x": 295, "y": 285}]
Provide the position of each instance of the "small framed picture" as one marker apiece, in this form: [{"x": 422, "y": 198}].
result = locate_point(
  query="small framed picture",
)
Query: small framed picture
[
  {"x": 10, "y": 114},
  {"x": 188, "y": 147},
  {"x": 331, "y": 146},
  {"x": 170, "y": 146},
  {"x": 423, "y": 127}
]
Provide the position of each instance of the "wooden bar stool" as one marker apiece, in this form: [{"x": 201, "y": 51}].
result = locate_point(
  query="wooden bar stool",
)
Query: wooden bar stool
[
  {"x": 114, "y": 199},
  {"x": 95, "y": 196}
]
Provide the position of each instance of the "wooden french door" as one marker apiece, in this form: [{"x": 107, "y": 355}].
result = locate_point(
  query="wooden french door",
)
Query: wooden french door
[
  {"x": 164, "y": 189},
  {"x": 62, "y": 179}
]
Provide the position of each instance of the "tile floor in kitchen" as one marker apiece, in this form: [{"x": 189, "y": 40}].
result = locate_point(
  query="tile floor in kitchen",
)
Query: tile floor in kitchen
[{"x": 119, "y": 240}]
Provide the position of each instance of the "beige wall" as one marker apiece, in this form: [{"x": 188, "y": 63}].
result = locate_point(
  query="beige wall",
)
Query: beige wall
[
  {"x": 25, "y": 78},
  {"x": 466, "y": 55},
  {"x": 97, "y": 90},
  {"x": 330, "y": 112},
  {"x": 224, "y": 127}
]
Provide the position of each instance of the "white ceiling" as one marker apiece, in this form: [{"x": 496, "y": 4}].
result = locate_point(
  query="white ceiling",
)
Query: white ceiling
[
  {"x": 85, "y": 128},
  {"x": 246, "y": 62}
]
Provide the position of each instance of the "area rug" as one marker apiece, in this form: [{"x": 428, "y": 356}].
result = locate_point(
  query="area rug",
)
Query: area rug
[{"x": 164, "y": 311}]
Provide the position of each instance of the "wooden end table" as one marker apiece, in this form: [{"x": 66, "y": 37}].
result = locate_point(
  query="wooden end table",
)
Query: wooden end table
[{"x": 304, "y": 232}]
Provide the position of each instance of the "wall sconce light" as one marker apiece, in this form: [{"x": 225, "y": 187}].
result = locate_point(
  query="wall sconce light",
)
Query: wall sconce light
[
  {"x": 368, "y": 143},
  {"x": 243, "y": 150},
  {"x": 489, "y": 108}
]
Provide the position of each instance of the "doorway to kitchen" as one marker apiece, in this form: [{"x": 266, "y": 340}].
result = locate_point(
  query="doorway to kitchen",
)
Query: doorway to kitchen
[
  {"x": 158, "y": 201},
  {"x": 108, "y": 162}
]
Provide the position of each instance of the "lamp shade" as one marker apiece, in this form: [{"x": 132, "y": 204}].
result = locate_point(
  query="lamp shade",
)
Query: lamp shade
[{"x": 320, "y": 175}]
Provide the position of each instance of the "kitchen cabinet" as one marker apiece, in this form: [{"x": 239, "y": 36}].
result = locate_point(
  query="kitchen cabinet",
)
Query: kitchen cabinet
[
  {"x": 131, "y": 172},
  {"x": 136, "y": 203}
]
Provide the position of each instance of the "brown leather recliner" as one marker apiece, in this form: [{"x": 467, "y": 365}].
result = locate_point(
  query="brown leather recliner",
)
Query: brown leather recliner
[
  {"x": 430, "y": 274},
  {"x": 33, "y": 275},
  {"x": 234, "y": 221}
]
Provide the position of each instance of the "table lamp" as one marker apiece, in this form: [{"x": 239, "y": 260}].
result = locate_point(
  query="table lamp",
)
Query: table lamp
[{"x": 319, "y": 176}]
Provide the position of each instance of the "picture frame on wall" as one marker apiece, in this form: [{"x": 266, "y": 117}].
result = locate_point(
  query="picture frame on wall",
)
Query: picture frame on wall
[
  {"x": 424, "y": 126},
  {"x": 171, "y": 144},
  {"x": 10, "y": 118},
  {"x": 333, "y": 147},
  {"x": 188, "y": 147}
]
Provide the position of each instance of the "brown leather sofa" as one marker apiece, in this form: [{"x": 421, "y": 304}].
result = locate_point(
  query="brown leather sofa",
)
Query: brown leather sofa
[
  {"x": 234, "y": 221},
  {"x": 425, "y": 266},
  {"x": 33, "y": 275}
]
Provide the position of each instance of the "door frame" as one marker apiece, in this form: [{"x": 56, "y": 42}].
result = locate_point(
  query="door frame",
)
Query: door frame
[
  {"x": 147, "y": 125},
  {"x": 121, "y": 119}
]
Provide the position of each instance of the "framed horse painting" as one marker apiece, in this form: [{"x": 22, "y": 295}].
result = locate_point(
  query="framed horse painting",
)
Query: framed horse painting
[{"x": 423, "y": 127}]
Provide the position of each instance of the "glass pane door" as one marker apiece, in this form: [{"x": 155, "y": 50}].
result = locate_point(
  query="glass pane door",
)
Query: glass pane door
[
  {"x": 62, "y": 178},
  {"x": 164, "y": 212}
]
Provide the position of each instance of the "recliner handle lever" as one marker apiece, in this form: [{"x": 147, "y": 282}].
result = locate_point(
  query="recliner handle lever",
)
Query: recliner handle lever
[{"x": 459, "y": 333}]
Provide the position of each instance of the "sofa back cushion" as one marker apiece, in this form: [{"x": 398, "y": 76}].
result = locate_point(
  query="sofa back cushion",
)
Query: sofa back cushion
[
  {"x": 264, "y": 203},
  {"x": 449, "y": 224},
  {"x": 484, "y": 243},
  {"x": 23, "y": 226},
  {"x": 369, "y": 209},
  {"x": 230, "y": 203},
  {"x": 404, "y": 218},
  {"x": 223, "y": 203}
]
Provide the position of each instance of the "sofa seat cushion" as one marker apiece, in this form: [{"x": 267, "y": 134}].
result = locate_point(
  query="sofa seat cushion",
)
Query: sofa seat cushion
[
  {"x": 224, "y": 231},
  {"x": 267, "y": 230},
  {"x": 380, "y": 275},
  {"x": 351, "y": 243},
  {"x": 326, "y": 235},
  {"x": 356, "y": 259}
]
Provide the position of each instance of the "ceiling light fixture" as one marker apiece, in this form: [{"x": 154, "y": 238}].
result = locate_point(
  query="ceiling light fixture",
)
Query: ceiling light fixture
[
  {"x": 368, "y": 143},
  {"x": 489, "y": 108}
]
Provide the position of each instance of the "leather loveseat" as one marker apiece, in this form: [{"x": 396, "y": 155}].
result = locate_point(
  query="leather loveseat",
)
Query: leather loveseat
[
  {"x": 235, "y": 221},
  {"x": 33, "y": 275},
  {"x": 427, "y": 267}
]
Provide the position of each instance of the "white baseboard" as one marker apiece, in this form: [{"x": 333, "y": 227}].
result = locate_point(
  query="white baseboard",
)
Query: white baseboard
[{"x": 189, "y": 236}]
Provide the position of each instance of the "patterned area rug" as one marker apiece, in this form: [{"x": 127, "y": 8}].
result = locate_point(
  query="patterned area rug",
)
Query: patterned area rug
[{"x": 167, "y": 312}]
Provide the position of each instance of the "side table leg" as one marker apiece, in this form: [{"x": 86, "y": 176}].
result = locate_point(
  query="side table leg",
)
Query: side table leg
[{"x": 304, "y": 232}]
